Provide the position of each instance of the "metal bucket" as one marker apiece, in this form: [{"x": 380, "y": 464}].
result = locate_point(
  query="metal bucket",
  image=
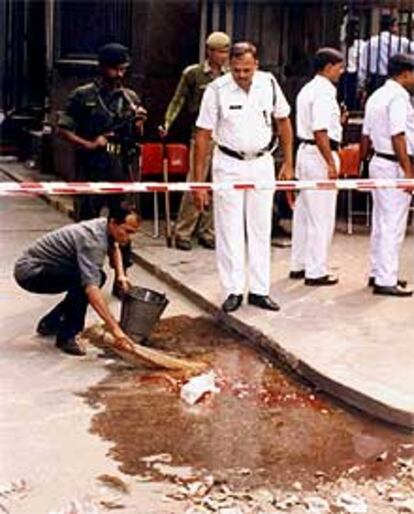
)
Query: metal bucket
[{"x": 141, "y": 309}]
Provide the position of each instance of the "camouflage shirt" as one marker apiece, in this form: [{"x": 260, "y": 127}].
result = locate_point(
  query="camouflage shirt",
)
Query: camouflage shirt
[
  {"x": 93, "y": 110},
  {"x": 189, "y": 92}
]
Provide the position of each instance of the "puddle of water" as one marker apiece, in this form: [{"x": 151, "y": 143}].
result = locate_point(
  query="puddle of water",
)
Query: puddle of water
[{"x": 262, "y": 428}]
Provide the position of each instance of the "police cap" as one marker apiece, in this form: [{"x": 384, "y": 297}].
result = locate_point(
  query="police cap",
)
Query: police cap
[
  {"x": 113, "y": 54},
  {"x": 218, "y": 41}
]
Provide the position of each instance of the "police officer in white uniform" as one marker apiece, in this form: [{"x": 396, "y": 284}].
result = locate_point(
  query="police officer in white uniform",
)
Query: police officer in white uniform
[
  {"x": 238, "y": 110},
  {"x": 389, "y": 127},
  {"x": 319, "y": 129}
]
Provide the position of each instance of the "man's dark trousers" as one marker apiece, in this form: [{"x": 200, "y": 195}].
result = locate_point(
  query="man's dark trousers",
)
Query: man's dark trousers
[{"x": 68, "y": 315}]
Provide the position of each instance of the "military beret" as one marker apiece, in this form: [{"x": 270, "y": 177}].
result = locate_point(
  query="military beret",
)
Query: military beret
[
  {"x": 113, "y": 54},
  {"x": 218, "y": 41}
]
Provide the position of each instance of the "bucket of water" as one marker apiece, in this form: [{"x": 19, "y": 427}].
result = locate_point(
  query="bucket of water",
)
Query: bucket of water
[{"x": 141, "y": 309}]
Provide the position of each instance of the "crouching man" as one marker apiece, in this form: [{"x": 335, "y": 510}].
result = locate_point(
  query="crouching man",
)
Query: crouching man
[{"x": 70, "y": 259}]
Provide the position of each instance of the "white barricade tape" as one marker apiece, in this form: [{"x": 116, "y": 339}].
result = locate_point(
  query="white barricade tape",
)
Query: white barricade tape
[{"x": 76, "y": 188}]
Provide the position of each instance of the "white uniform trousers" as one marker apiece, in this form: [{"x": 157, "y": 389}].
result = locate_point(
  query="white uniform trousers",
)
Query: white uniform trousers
[
  {"x": 389, "y": 222},
  {"x": 313, "y": 216},
  {"x": 242, "y": 222}
]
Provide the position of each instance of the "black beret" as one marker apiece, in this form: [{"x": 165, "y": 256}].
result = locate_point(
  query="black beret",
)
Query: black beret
[{"x": 113, "y": 54}]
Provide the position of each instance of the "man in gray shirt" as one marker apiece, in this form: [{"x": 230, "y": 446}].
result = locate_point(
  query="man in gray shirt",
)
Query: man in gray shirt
[{"x": 71, "y": 259}]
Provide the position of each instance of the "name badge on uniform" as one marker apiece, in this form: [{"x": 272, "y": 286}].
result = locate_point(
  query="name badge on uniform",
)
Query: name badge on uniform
[{"x": 235, "y": 107}]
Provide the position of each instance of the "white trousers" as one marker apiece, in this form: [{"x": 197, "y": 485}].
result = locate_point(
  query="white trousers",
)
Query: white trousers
[
  {"x": 389, "y": 222},
  {"x": 313, "y": 216},
  {"x": 242, "y": 221}
]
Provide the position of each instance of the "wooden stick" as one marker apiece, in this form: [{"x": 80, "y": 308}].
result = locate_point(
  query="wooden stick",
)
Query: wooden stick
[{"x": 137, "y": 354}]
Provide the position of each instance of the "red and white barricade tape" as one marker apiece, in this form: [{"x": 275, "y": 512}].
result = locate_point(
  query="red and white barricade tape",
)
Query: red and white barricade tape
[{"x": 76, "y": 188}]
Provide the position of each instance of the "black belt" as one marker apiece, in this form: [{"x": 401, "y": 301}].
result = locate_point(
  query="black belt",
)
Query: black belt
[
  {"x": 391, "y": 157},
  {"x": 243, "y": 156},
  {"x": 332, "y": 143}
]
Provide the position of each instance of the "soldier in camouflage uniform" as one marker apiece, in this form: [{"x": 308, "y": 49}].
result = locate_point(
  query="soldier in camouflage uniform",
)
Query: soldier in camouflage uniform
[
  {"x": 103, "y": 120},
  {"x": 189, "y": 92}
]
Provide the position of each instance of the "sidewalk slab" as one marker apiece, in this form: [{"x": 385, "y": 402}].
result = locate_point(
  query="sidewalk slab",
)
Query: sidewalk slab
[{"x": 352, "y": 344}]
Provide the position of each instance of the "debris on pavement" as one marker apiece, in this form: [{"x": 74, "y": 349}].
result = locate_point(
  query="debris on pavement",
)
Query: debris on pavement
[
  {"x": 15, "y": 487},
  {"x": 114, "y": 482},
  {"x": 197, "y": 387},
  {"x": 160, "y": 457},
  {"x": 352, "y": 504}
]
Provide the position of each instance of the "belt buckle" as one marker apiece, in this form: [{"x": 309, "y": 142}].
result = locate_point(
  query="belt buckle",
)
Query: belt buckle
[{"x": 248, "y": 156}]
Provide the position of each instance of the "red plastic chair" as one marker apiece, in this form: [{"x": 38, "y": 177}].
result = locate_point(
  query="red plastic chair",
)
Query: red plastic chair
[
  {"x": 177, "y": 156},
  {"x": 152, "y": 164},
  {"x": 349, "y": 168}
]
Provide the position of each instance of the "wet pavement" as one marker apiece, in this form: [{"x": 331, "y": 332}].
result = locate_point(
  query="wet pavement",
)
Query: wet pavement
[
  {"x": 263, "y": 427},
  {"x": 67, "y": 425}
]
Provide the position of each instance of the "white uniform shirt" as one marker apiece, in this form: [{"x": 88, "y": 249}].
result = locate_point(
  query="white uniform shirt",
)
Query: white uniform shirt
[
  {"x": 240, "y": 120},
  {"x": 389, "y": 112},
  {"x": 317, "y": 109},
  {"x": 377, "y": 51},
  {"x": 355, "y": 55}
]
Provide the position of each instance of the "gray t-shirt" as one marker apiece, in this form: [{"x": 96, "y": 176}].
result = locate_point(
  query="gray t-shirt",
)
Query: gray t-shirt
[{"x": 79, "y": 248}]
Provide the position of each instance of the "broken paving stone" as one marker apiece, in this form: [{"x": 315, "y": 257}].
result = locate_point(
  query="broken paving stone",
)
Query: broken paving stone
[
  {"x": 112, "y": 503},
  {"x": 406, "y": 505},
  {"x": 405, "y": 463},
  {"x": 161, "y": 457},
  {"x": 289, "y": 501},
  {"x": 396, "y": 496},
  {"x": 114, "y": 482},
  {"x": 351, "y": 503},
  {"x": 176, "y": 473},
  {"x": 316, "y": 505},
  {"x": 230, "y": 510},
  {"x": 262, "y": 495},
  {"x": 20, "y": 486}
]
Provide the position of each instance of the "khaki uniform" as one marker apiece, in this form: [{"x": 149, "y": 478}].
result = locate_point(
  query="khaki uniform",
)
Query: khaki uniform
[{"x": 189, "y": 92}]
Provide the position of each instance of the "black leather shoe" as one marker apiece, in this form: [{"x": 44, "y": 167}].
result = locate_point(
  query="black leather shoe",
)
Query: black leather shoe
[
  {"x": 232, "y": 303},
  {"x": 326, "y": 280},
  {"x": 70, "y": 345},
  {"x": 45, "y": 329},
  {"x": 48, "y": 326},
  {"x": 401, "y": 283},
  {"x": 392, "y": 291},
  {"x": 207, "y": 243},
  {"x": 183, "y": 244},
  {"x": 262, "y": 301},
  {"x": 297, "y": 275}
]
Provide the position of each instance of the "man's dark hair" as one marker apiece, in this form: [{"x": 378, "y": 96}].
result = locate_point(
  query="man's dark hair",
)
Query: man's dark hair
[
  {"x": 242, "y": 48},
  {"x": 325, "y": 56},
  {"x": 387, "y": 22},
  {"x": 119, "y": 213},
  {"x": 399, "y": 63}
]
